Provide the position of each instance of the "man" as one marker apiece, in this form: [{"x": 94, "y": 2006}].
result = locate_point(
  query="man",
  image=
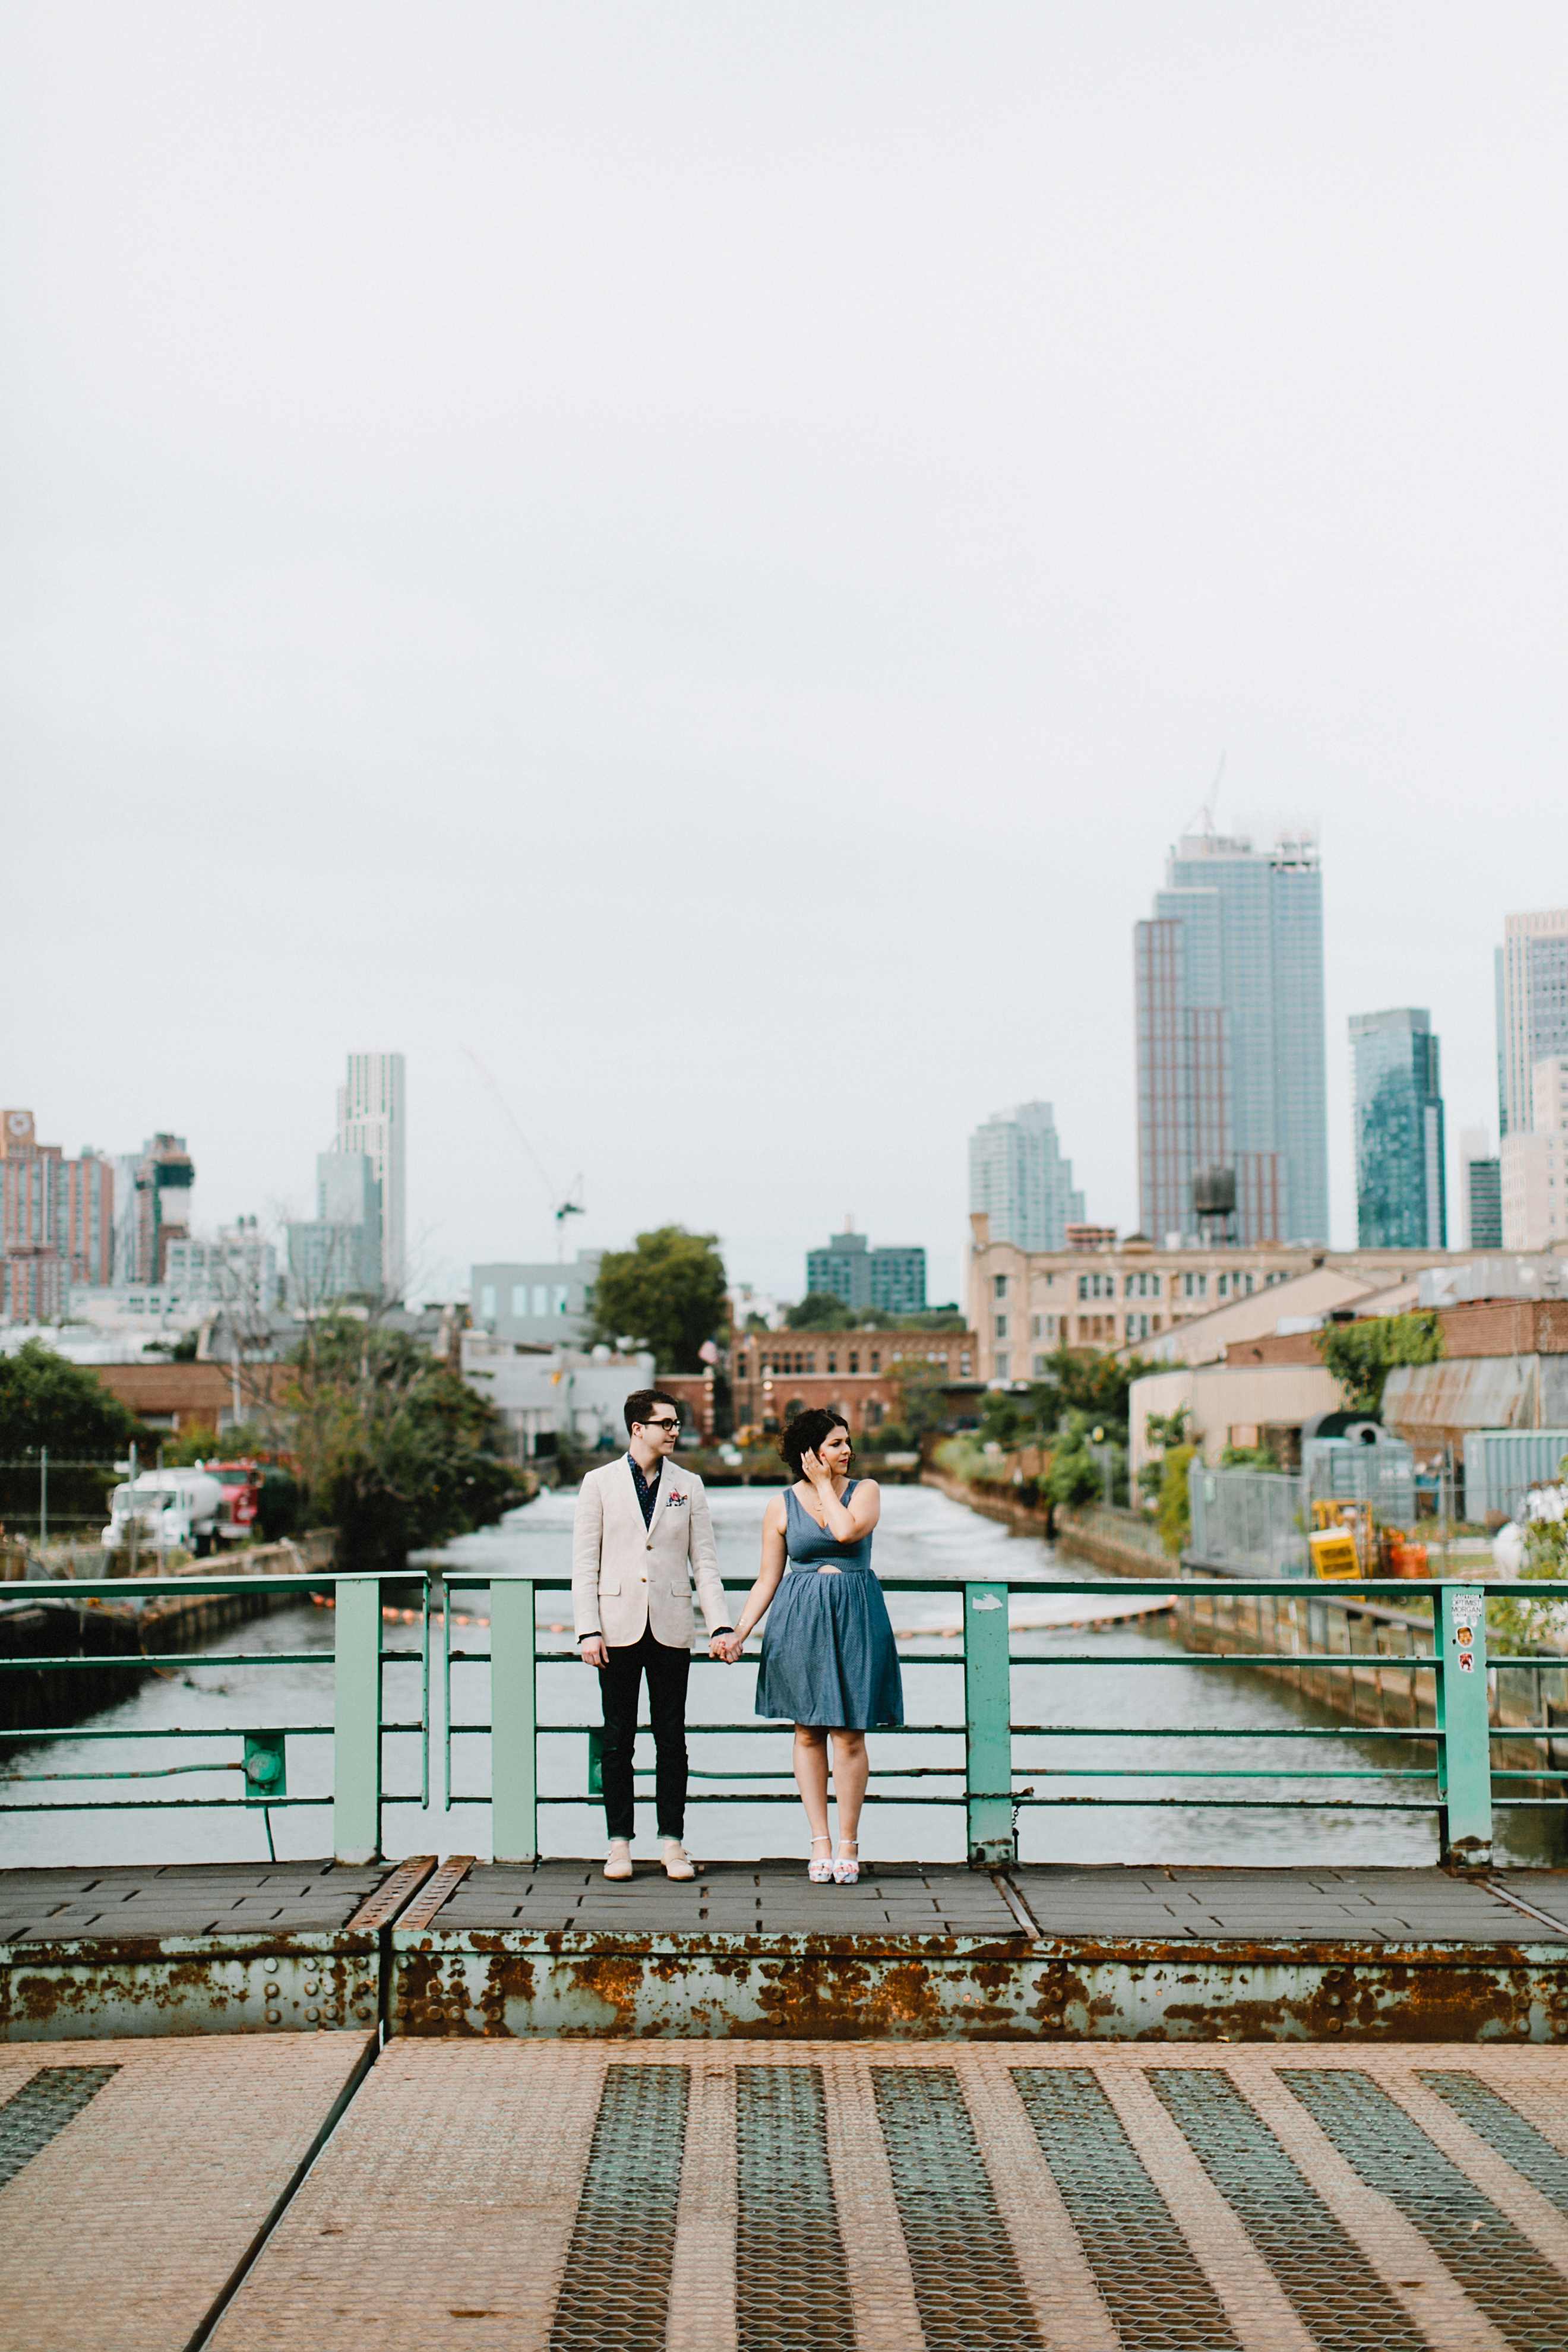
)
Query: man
[{"x": 642, "y": 1530}]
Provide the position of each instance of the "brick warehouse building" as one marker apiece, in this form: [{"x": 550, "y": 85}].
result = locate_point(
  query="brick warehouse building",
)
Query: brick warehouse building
[
  {"x": 185, "y": 1397},
  {"x": 775, "y": 1374}
]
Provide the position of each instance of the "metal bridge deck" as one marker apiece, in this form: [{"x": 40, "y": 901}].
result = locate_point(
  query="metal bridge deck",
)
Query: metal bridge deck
[
  {"x": 783, "y": 2197},
  {"x": 916, "y": 1951}
]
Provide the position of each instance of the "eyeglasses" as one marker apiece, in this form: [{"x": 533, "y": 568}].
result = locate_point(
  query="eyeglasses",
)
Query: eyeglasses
[{"x": 662, "y": 1423}]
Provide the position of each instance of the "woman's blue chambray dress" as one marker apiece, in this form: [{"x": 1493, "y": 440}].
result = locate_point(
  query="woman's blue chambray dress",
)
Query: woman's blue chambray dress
[{"x": 828, "y": 1655}]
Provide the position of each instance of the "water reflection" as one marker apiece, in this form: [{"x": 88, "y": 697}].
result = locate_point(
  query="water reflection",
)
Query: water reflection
[{"x": 922, "y": 1534}]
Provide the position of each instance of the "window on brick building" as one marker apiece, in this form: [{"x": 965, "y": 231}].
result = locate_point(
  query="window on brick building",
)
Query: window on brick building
[{"x": 1001, "y": 1331}]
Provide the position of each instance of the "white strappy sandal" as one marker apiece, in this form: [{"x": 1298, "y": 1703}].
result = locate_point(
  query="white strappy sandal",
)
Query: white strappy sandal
[
  {"x": 821, "y": 1874},
  {"x": 847, "y": 1869}
]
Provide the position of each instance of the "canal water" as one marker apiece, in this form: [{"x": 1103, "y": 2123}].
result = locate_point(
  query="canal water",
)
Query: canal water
[{"x": 1107, "y": 1678}]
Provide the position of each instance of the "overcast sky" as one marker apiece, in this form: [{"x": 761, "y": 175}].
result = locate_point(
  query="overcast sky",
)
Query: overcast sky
[{"x": 701, "y": 554}]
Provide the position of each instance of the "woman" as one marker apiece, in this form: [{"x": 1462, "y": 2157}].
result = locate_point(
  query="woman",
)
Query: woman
[{"x": 828, "y": 1658}]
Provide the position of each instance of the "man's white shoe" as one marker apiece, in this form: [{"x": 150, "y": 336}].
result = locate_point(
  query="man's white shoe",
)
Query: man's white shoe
[
  {"x": 677, "y": 1861},
  {"x": 618, "y": 1863}
]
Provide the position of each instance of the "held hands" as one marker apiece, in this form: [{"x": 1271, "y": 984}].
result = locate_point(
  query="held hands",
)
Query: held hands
[{"x": 726, "y": 1646}]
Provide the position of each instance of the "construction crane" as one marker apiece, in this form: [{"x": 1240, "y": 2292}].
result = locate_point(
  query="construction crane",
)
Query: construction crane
[
  {"x": 1205, "y": 818},
  {"x": 561, "y": 1205}
]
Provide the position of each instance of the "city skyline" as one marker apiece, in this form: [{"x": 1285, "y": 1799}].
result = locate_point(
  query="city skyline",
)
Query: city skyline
[{"x": 386, "y": 660}]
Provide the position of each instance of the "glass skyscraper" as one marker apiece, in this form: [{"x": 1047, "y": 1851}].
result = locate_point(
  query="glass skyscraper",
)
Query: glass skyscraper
[
  {"x": 1480, "y": 1191},
  {"x": 1532, "y": 1008},
  {"x": 1018, "y": 1176},
  {"x": 1401, "y": 1199},
  {"x": 1231, "y": 1064}
]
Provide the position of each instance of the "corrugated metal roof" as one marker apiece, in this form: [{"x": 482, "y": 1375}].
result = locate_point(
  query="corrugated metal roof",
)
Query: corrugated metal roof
[{"x": 1471, "y": 1392}]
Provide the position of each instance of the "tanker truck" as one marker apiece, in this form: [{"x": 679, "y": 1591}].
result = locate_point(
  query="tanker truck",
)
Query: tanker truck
[{"x": 171, "y": 1511}]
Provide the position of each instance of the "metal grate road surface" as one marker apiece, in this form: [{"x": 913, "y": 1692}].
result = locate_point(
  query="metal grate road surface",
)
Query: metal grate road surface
[
  {"x": 616, "y": 2286},
  {"x": 1153, "y": 2287},
  {"x": 30, "y": 2118},
  {"x": 789, "y": 2251},
  {"x": 833, "y": 2196},
  {"x": 1524, "y": 2297},
  {"x": 1335, "y": 2292}
]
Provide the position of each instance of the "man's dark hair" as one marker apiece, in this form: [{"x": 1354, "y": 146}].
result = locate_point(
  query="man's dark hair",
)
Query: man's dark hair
[
  {"x": 806, "y": 1432},
  {"x": 641, "y": 1403}
]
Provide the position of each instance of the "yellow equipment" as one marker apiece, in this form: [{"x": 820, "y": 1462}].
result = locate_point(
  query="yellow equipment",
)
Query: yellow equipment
[{"x": 1334, "y": 1554}]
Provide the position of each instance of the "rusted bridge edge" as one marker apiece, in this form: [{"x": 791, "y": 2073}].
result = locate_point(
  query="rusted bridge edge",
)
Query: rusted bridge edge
[{"x": 409, "y": 1958}]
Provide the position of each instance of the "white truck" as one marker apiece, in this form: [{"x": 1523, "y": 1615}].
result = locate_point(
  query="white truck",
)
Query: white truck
[{"x": 171, "y": 1511}]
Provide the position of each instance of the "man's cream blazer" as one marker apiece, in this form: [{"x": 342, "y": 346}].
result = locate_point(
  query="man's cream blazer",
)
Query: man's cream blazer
[{"x": 626, "y": 1577}]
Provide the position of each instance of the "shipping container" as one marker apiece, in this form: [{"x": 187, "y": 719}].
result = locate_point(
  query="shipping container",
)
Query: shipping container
[{"x": 1502, "y": 1465}]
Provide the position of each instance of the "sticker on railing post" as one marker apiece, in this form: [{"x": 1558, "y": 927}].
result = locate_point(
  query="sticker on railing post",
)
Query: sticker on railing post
[
  {"x": 1467, "y": 1608},
  {"x": 986, "y": 1600},
  {"x": 1467, "y": 1662}
]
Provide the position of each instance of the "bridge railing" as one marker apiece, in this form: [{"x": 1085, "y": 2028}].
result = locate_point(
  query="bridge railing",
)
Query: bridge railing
[
  {"x": 357, "y": 1723},
  {"x": 1000, "y": 1775},
  {"x": 1456, "y": 1784}
]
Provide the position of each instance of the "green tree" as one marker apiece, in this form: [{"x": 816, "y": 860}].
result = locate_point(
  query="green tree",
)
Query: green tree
[
  {"x": 667, "y": 1293},
  {"x": 242, "y": 1441},
  {"x": 1093, "y": 1384},
  {"x": 395, "y": 1450},
  {"x": 1075, "y": 1475},
  {"x": 1174, "y": 1514},
  {"x": 1163, "y": 1429},
  {"x": 1249, "y": 1457},
  {"x": 46, "y": 1401},
  {"x": 1362, "y": 1355},
  {"x": 923, "y": 1407},
  {"x": 821, "y": 1310}
]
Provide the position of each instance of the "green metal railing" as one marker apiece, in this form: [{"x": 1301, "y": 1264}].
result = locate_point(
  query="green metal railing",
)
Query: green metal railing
[
  {"x": 1456, "y": 1784},
  {"x": 358, "y": 1726}
]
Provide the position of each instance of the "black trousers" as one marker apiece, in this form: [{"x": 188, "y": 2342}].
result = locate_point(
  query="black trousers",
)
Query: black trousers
[{"x": 619, "y": 1683}]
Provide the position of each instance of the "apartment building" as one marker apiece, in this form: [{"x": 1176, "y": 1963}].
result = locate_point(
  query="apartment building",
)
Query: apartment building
[
  {"x": 57, "y": 1221},
  {"x": 1124, "y": 1293}
]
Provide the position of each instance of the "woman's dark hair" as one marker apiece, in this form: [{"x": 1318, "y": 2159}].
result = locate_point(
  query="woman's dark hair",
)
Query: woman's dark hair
[{"x": 808, "y": 1432}]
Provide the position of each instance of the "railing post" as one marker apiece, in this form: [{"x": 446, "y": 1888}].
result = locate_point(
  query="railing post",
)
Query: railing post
[
  {"x": 987, "y": 1720},
  {"x": 514, "y": 1724},
  {"x": 1464, "y": 1752},
  {"x": 356, "y": 1721}
]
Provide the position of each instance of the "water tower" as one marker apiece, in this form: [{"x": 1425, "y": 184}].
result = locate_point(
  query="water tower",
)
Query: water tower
[{"x": 1214, "y": 1205}]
